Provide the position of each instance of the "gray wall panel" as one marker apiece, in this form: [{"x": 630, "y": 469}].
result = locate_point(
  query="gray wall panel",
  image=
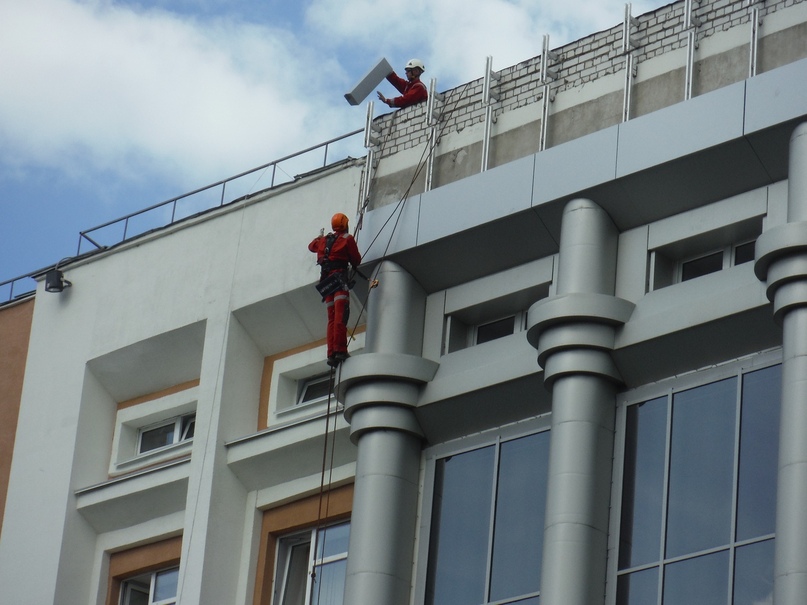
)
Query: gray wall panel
[
  {"x": 681, "y": 129},
  {"x": 576, "y": 165},
  {"x": 400, "y": 232},
  {"x": 776, "y": 96},
  {"x": 481, "y": 198}
]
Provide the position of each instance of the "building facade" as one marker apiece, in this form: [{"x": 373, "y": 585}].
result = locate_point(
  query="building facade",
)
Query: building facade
[{"x": 580, "y": 379}]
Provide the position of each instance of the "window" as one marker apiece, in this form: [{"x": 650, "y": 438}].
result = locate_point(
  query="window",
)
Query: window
[
  {"x": 699, "y": 494},
  {"x": 461, "y": 335},
  {"x": 488, "y": 308},
  {"x": 158, "y": 588},
  {"x": 716, "y": 261},
  {"x": 496, "y": 329},
  {"x": 688, "y": 260},
  {"x": 315, "y": 390},
  {"x": 165, "y": 433},
  {"x": 487, "y": 524},
  {"x": 304, "y": 579}
]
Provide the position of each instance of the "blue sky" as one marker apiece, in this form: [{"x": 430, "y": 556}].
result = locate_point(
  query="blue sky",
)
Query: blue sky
[{"x": 110, "y": 106}]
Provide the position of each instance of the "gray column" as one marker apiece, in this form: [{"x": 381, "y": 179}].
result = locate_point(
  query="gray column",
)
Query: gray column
[
  {"x": 380, "y": 390},
  {"x": 781, "y": 262},
  {"x": 574, "y": 334}
]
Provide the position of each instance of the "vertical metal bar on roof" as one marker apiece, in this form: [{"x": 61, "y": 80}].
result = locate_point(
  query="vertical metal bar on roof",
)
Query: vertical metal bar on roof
[
  {"x": 547, "y": 76},
  {"x": 432, "y": 119},
  {"x": 371, "y": 139},
  {"x": 690, "y": 64},
  {"x": 629, "y": 44},
  {"x": 754, "y": 45},
  {"x": 488, "y": 98},
  {"x": 691, "y": 23}
]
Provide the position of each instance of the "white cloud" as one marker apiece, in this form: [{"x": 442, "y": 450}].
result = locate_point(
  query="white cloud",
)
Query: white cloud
[
  {"x": 102, "y": 84},
  {"x": 96, "y": 87},
  {"x": 453, "y": 37}
]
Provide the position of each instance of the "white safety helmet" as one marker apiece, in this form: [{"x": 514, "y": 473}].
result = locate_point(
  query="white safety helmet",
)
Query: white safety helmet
[{"x": 415, "y": 63}]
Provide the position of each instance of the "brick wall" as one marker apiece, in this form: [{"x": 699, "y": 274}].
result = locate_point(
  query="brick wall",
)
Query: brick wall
[{"x": 600, "y": 54}]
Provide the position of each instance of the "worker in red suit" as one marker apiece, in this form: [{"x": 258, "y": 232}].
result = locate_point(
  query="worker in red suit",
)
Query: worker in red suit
[
  {"x": 336, "y": 252},
  {"x": 412, "y": 89}
]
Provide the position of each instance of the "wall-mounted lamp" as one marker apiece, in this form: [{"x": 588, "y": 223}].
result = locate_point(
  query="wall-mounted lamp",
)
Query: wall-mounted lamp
[{"x": 55, "y": 281}]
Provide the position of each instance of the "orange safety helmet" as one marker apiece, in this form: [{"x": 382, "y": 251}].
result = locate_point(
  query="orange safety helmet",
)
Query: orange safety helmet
[{"x": 339, "y": 222}]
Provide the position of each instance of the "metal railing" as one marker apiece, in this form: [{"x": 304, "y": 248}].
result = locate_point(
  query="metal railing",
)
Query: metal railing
[
  {"x": 206, "y": 198},
  {"x": 194, "y": 202},
  {"x": 7, "y": 288}
]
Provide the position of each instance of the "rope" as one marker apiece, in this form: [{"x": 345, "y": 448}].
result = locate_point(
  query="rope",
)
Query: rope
[
  {"x": 327, "y": 465},
  {"x": 331, "y": 377},
  {"x": 428, "y": 149}
]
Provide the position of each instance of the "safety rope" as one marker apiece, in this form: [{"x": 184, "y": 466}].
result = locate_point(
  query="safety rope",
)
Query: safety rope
[
  {"x": 322, "y": 491},
  {"x": 398, "y": 210},
  {"x": 327, "y": 465}
]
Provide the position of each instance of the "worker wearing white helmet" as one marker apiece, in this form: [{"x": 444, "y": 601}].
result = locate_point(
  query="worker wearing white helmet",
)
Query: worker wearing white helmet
[{"x": 412, "y": 89}]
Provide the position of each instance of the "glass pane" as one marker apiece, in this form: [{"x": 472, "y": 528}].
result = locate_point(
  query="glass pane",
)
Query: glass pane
[
  {"x": 329, "y": 584},
  {"x": 702, "y": 580},
  {"x": 753, "y": 574},
  {"x": 165, "y": 584},
  {"x": 157, "y": 437},
  {"x": 296, "y": 575},
  {"x": 188, "y": 427},
  {"x": 135, "y": 596},
  {"x": 702, "y": 266},
  {"x": 495, "y": 329},
  {"x": 638, "y": 588},
  {"x": 519, "y": 526},
  {"x": 701, "y": 468},
  {"x": 643, "y": 483},
  {"x": 759, "y": 439},
  {"x": 333, "y": 540},
  {"x": 744, "y": 253},
  {"x": 458, "y": 546},
  {"x": 316, "y": 388}
]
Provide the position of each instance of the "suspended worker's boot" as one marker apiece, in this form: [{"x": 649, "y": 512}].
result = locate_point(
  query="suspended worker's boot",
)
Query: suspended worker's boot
[{"x": 337, "y": 358}]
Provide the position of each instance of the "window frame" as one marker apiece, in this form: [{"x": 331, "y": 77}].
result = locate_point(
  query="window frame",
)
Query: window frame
[
  {"x": 283, "y": 554},
  {"x": 729, "y": 259},
  {"x": 307, "y": 383},
  {"x": 183, "y": 424},
  {"x": 519, "y": 325},
  {"x": 493, "y": 437},
  {"x": 131, "y": 420},
  {"x": 138, "y": 583},
  {"x": 285, "y": 378},
  {"x": 736, "y": 368}
]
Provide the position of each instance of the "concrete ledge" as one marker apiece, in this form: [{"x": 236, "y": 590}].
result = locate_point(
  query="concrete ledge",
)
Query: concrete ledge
[
  {"x": 773, "y": 244},
  {"x": 383, "y": 417},
  {"x": 372, "y": 366},
  {"x": 597, "y": 308}
]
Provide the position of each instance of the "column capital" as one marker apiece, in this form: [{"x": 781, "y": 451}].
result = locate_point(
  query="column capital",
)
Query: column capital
[
  {"x": 380, "y": 391},
  {"x": 781, "y": 262},
  {"x": 574, "y": 333}
]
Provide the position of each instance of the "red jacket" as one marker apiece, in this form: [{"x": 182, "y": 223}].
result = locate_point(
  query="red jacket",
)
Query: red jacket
[
  {"x": 412, "y": 92},
  {"x": 344, "y": 251}
]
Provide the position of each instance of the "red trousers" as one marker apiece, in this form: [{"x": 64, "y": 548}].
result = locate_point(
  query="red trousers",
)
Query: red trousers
[{"x": 338, "y": 305}]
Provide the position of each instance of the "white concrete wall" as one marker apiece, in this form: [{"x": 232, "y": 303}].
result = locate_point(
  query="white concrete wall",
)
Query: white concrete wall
[{"x": 199, "y": 271}]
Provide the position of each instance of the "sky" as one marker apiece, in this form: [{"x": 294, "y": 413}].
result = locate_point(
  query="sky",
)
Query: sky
[{"x": 111, "y": 106}]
